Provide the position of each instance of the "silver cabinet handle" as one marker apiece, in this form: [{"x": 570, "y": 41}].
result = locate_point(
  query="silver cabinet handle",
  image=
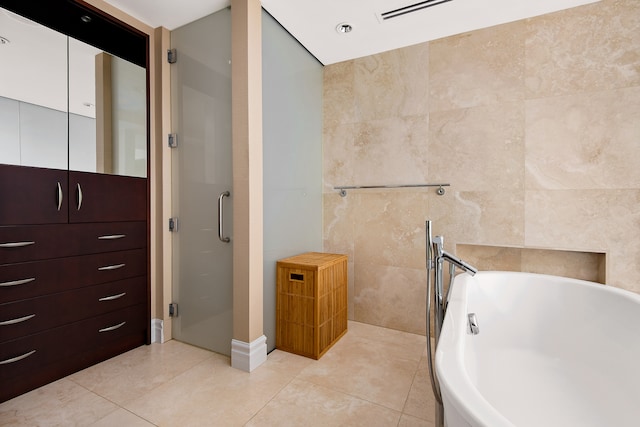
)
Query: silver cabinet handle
[
  {"x": 112, "y": 297},
  {"x": 79, "y": 190},
  {"x": 112, "y": 237},
  {"x": 18, "y": 320},
  {"x": 60, "y": 196},
  {"x": 220, "y": 217},
  {"x": 16, "y": 244},
  {"x": 111, "y": 267},
  {"x": 112, "y": 328},
  {"x": 17, "y": 282},
  {"x": 18, "y": 358}
]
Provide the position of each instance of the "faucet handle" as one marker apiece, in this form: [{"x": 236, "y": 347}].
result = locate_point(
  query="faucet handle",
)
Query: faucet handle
[{"x": 438, "y": 245}]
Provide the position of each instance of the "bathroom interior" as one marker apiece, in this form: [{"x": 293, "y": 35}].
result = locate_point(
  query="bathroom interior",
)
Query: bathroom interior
[{"x": 533, "y": 124}]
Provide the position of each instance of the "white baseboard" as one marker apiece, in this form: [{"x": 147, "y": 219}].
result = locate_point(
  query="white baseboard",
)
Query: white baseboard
[
  {"x": 157, "y": 331},
  {"x": 248, "y": 356}
]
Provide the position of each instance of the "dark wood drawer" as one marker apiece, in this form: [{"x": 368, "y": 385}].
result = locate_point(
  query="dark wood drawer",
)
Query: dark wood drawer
[
  {"x": 29, "y": 243},
  {"x": 80, "y": 344},
  {"x": 107, "y": 237},
  {"x": 34, "y": 315},
  {"x": 32, "y": 279}
]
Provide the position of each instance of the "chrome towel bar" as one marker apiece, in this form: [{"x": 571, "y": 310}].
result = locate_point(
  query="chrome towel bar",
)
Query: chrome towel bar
[{"x": 343, "y": 189}]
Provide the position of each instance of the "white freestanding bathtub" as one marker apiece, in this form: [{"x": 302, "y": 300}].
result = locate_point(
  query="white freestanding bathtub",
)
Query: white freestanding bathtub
[{"x": 550, "y": 351}]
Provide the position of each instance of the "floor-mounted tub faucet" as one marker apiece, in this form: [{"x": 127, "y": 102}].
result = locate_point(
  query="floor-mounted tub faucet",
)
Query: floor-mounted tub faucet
[
  {"x": 436, "y": 256},
  {"x": 442, "y": 255}
]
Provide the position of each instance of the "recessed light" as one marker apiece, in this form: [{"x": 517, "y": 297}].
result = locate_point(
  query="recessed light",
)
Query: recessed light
[
  {"x": 4, "y": 40},
  {"x": 85, "y": 18},
  {"x": 344, "y": 28}
]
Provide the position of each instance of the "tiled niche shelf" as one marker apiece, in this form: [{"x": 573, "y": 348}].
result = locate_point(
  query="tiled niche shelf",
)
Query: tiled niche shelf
[{"x": 576, "y": 264}]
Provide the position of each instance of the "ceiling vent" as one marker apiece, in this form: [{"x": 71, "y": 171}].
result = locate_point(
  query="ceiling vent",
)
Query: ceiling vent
[{"x": 409, "y": 9}]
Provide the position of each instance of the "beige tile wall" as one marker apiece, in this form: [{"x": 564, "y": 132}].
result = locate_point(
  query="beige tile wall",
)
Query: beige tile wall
[{"x": 536, "y": 125}]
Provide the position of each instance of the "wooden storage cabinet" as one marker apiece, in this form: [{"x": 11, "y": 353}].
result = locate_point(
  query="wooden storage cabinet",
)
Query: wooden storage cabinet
[
  {"x": 74, "y": 287},
  {"x": 311, "y": 302},
  {"x": 74, "y": 255}
]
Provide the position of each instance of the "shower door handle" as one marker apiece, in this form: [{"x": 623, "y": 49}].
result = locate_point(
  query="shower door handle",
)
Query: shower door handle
[{"x": 221, "y": 218}]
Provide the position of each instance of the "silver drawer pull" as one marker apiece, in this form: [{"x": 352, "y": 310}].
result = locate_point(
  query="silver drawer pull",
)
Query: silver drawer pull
[
  {"x": 59, "y": 196},
  {"x": 112, "y": 328},
  {"x": 111, "y": 267},
  {"x": 19, "y": 320},
  {"x": 112, "y": 237},
  {"x": 18, "y": 358},
  {"x": 79, "y": 195},
  {"x": 16, "y": 244},
  {"x": 112, "y": 297},
  {"x": 18, "y": 282}
]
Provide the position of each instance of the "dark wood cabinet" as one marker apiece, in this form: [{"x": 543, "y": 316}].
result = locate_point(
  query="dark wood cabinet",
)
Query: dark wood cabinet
[
  {"x": 73, "y": 272},
  {"x": 98, "y": 198},
  {"x": 74, "y": 254},
  {"x": 33, "y": 195}
]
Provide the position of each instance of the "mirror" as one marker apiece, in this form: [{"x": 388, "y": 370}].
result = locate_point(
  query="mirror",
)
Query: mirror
[
  {"x": 65, "y": 104},
  {"x": 33, "y": 94},
  {"x": 107, "y": 112}
]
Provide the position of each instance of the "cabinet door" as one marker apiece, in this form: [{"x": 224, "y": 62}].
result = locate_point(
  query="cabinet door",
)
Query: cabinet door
[
  {"x": 32, "y": 195},
  {"x": 105, "y": 198}
]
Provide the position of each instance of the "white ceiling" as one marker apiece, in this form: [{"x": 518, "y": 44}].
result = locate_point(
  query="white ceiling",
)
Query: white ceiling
[{"x": 313, "y": 22}]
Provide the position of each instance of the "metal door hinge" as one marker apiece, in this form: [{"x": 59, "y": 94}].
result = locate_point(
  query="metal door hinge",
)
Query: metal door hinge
[
  {"x": 172, "y": 139},
  {"x": 173, "y": 309},
  {"x": 172, "y": 56},
  {"x": 173, "y": 224}
]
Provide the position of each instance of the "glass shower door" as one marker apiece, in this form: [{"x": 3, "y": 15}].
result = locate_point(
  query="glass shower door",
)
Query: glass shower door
[{"x": 202, "y": 176}]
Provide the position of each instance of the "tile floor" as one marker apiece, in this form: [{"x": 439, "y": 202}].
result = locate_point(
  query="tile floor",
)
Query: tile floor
[{"x": 371, "y": 377}]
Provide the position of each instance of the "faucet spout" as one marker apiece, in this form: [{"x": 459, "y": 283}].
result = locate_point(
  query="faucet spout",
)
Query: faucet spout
[
  {"x": 440, "y": 254},
  {"x": 459, "y": 263}
]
